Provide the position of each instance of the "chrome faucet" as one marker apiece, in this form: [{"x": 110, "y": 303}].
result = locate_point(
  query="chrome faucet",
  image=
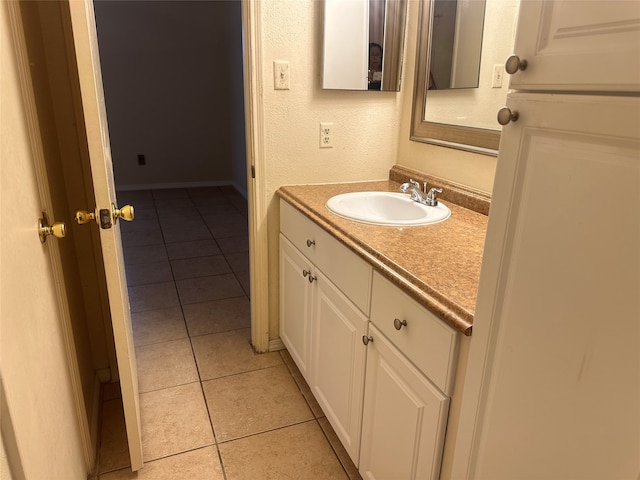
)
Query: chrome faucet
[{"x": 421, "y": 195}]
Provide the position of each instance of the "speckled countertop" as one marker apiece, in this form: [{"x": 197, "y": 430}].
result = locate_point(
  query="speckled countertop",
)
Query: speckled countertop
[{"x": 438, "y": 265}]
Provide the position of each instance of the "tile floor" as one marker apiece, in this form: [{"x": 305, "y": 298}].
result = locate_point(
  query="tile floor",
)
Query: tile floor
[{"x": 210, "y": 407}]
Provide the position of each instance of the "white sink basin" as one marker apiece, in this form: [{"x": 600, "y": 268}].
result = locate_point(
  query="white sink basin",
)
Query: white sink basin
[{"x": 386, "y": 208}]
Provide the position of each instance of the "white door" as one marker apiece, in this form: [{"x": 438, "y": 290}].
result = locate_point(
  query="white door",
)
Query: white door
[
  {"x": 87, "y": 57},
  {"x": 578, "y": 45}
]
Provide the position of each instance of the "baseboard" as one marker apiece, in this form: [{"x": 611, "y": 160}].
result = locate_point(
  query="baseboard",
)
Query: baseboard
[{"x": 276, "y": 345}]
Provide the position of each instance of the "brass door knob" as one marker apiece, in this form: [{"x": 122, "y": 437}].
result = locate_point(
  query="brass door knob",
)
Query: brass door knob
[
  {"x": 58, "y": 229},
  {"x": 82, "y": 216},
  {"x": 126, "y": 213}
]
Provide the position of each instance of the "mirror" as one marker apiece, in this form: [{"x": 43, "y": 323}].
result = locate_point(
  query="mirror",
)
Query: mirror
[
  {"x": 363, "y": 44},
  {"x": 463, "y": 118},
  {"x": 456, "y": 44}
]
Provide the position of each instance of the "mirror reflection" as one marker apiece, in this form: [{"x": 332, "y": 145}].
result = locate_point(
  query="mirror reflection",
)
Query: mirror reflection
[
  {"x": 363, "y": 44},
  {"x": 456, "y": 44},
  {"x": 464, "y": 118}
]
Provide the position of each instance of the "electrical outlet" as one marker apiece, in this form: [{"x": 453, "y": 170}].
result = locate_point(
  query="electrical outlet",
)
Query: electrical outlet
[
  {"x": 498, "y": 73},
  {"x": 280, "y": 75},
  {"x": 326, "y": 135},
  {"x": 142, "y": 160}
]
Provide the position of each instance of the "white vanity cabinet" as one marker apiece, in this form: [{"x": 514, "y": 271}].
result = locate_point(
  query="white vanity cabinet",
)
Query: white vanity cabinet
[
  {"x": 324, "y": 303},
  {"x": 411, "y": 361},
  {"x": 342, "y": 322}
]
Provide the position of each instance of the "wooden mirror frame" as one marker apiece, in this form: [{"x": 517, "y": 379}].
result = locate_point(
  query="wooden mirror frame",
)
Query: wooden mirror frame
[{"x": 473, "y": 139}]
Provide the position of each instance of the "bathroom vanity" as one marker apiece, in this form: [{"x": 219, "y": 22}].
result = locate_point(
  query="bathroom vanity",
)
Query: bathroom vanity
[{"x": 377, "y": 319}]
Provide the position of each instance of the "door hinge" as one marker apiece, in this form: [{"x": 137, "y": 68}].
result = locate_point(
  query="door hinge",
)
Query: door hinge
[{"x": 253, "y": 171}]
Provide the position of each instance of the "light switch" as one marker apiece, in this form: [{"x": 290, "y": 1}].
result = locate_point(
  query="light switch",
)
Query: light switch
[{"x": 280, "y": 75}]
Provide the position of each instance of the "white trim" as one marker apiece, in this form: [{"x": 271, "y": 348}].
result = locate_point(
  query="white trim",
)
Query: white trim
[
  {"x": 276, "y": 345},
  {"x": 53, "y": 247},
  {"x": 254, "y": 122}
]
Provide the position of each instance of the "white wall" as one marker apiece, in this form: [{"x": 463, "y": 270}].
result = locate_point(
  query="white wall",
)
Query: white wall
[
  {"x": 365, "y": 123},
  {"x": 172, "y": 73}
]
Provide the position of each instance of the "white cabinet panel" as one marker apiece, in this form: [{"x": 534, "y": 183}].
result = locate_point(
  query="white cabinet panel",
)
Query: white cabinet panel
[
  {"x": 295, "y": 305},
  {"x": 559, "y": 292},
  {"x": 350, "y": 273},
  {"x": 425, "y": 340},
  {"x": 578, "y": 45},
  {"x": 404, "y": 418},
  {"x": 337, "y": 378}
]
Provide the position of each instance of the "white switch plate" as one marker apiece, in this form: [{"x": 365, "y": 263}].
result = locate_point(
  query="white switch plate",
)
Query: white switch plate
[
  {"x": 498, "y": 73},
  {"x": 326, "y": 135},
  {"x": 280, "y": 75}
]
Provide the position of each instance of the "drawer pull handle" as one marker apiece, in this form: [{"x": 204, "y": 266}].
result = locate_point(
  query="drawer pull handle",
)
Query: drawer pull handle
[
  {"x": 307, "y": 274},
  {"x": 310, "y": 243},
  {"x": 398, "y": 324},
  {"x": 366, "y": 339}
]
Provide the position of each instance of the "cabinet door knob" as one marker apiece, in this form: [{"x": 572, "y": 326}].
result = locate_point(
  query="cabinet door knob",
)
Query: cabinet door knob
[
  {"x": 514, "y": 64},
  {"x": 505, "y": 116},
  {"x": 398, "y": 324},
  {"x": 310, "y": 243},
  {"x": 366, "y": 339}
]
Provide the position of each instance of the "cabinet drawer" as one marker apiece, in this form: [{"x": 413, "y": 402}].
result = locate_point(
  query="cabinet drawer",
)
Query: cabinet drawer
[
  {"x": 350, "y": 273},
  {"x": 426, "y": 341}
]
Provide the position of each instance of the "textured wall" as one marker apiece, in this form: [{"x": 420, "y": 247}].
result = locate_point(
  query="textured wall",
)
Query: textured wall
[
  {"x": 172, "y": 73},
  {"x": 365, "y": 129}
]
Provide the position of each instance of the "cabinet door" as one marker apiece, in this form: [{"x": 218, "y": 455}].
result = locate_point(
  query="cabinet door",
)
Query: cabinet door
[
  {"x": 295, "y": 304},
  {"x": 338, "y": 355},
  {"x": 556, "y": 338},
  {"x": 578, "y": 45},
  {"x": 404, "y": 417}
]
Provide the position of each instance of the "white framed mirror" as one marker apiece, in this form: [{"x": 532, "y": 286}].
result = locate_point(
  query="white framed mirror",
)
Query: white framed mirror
[
  {"x": 363, "y": 44},
  {"x": 464, "y": 118}
]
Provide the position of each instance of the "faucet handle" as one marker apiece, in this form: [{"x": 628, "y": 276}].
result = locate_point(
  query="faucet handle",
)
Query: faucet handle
[
  {"x": 414, "y": 183},
  {"x": 432, "y": 196}
]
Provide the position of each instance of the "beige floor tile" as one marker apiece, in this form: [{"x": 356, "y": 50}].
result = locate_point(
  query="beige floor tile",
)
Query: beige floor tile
[
  {"x": 145, "y": 254},
  {"x": 153, "y": 297},
  {"x": 298, "y": 452},
  {"x": 234, "y": 244},
  {"x": 142, "y": 237},
  {"x": 166, "y": 364},
  {"x": 198, "y": 248},
  {"x": 218, "y": 316},
  {"x": 228, "y": 353},
  {"x": 174, "y": 420},
  {"x": 245, "y": 280},
  {"x": 338, "y": 448},
  {"x": 239, "y": 261},
  {"x": 199, "y": 267},
  {"x": 302, "y": 384},
  {"x": 222, "y": 230},
  {"x": 201, "y": 464},
  {"x": 204, "y": 289},
  {"x": 155, "y": 326},
  {"x": 114, "y": 449},
  {"x": 146, "y": 273},
  {"x": 254, "y": 402}
]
